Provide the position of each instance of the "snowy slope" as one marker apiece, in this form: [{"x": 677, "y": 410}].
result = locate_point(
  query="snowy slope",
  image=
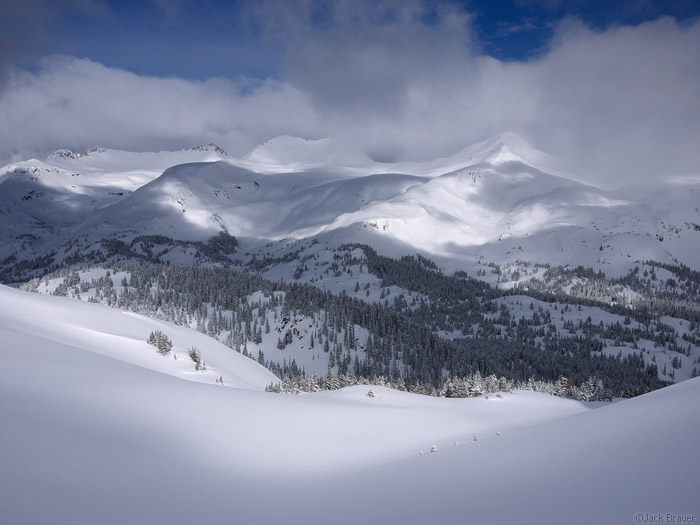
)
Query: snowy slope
[
  {"x": 95, "y": 431},
  {"x": 604, "y": 466},
  {"x": 30, "y": 320},
  {"x": 40, "y": 200},
  {"x": 499, "y": 200},
  {"x": 198, "y": 200}
]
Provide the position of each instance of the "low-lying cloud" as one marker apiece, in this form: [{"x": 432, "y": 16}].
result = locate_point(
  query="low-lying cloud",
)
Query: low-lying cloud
[{"x": 618, "y": 106}]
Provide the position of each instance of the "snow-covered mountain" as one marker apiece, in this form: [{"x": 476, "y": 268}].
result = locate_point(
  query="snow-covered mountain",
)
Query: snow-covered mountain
[
  {"x": 498, "y": 201},
  {"x": 99, "y": 427},
  {"x": 155, "y": 410},
  {"x": 41, "y": 200}
]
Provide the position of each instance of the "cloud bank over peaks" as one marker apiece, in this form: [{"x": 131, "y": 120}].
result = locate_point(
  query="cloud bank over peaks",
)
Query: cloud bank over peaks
[
  {"x": 74, "y": 103},
  {"x": 619, "y": 106}
]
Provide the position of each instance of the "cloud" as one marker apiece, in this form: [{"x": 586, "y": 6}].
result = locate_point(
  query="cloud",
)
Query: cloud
[
  {"x": 623, "y": 103},
  {"x": 76, "y": 102},
  {"x": 506, "y": 29},
  {"x": 401, "y": 82},
  {"x": 364, "y": 54}
]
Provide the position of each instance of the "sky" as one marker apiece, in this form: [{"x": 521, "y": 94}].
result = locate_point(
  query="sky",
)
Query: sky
[{"x": 612, "y": 88}]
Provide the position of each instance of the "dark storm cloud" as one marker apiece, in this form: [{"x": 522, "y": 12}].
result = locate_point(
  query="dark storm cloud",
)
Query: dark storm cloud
[{"x": 400, "y": 81}]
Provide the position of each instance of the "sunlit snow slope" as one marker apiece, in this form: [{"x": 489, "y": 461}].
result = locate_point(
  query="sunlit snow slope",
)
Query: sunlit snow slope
[
  {"x": 41, "y": 200},
  {"x": 500, "y": 200},
  {"x": 99, "y": 428},
  {"x": 497, "y": 201}
]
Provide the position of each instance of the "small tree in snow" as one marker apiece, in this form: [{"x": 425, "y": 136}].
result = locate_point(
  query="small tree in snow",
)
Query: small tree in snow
[
  {"x": 161, "y": 341},
  {"x": 593, "y": 390},
  {"x": 196, "y": 356},
  {"x": 330, "y": 382},
  {"x": 562, "y": 387}
]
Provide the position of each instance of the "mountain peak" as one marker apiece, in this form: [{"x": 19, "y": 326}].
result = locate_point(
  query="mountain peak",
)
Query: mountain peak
[
  {"x": 508, "y": 138},
  {"x": 65, "y": 153},
  {"x": 499, "y": 149},
  {"x": 210, "y": 147},
  {"x": 505, "y": 147}
]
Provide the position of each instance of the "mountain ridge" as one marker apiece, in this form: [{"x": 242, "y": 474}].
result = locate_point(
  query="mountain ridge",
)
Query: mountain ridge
[{"x": 500, "y": 200}]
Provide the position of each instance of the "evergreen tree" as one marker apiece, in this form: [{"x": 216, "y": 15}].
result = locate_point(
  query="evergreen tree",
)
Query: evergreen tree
[{"x": 330, "y": 382}]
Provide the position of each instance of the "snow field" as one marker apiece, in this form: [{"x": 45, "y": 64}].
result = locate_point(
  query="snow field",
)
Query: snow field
[{"x": 98, "y": 433}]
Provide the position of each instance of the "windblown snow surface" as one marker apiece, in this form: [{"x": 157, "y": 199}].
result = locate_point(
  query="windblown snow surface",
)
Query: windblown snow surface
[{"x": 97, "y": 427}]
